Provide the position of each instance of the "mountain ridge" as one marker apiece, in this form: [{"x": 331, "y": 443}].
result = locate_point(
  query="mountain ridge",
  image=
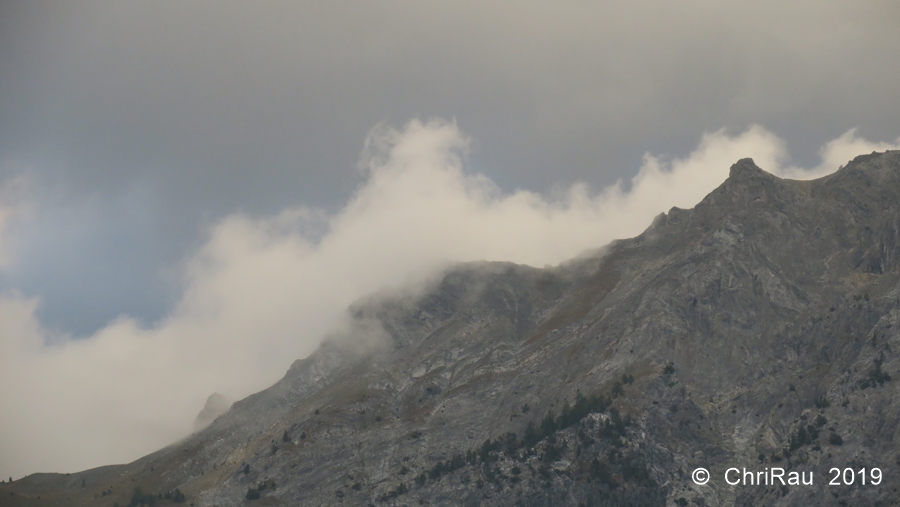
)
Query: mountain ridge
[{"x": 711, "y": 339}]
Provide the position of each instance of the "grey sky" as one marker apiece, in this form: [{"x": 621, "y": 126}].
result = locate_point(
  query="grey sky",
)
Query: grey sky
[
  {"x": 138, "y": 124},
  {"x": 162, "y": 164}
]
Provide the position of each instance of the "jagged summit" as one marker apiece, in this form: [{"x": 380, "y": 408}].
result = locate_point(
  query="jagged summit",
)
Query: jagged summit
[
  {"x": 745, "y": 169},
  {"x": 758, "y": 330},
  {"x": 864, "y": 171},
  {"x": 215, "y": 406},
  {"x": 879, "y": 161}
]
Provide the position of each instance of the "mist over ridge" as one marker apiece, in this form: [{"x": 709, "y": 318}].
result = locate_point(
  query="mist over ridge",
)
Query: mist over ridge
[{"x": 262, "y": 291}]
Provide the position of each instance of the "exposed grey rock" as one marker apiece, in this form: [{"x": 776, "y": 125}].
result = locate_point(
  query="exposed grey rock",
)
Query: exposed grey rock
[
  {"x": 215, "y": 406},
  {"x": 742, "y": 333}
]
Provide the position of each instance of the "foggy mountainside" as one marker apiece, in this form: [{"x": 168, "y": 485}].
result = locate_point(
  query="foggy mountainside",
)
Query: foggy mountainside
[{"x": 754, "y": 331}]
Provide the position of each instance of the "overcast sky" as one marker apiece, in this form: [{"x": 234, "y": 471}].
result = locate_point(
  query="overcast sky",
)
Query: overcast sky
[{"x": 175, "y": 172}]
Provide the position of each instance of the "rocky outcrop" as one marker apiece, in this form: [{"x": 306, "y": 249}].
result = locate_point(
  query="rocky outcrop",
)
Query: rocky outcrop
[{"x": 215, "y": 406}]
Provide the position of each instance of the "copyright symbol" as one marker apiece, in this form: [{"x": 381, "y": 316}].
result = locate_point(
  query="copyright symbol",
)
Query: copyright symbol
[{"x": 700, "y": 476}]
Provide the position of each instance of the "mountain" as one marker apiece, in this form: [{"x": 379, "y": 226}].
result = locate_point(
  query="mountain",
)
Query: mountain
[
  {"x": 755, "y": 331},
  {"x": 215, "y": 406}
]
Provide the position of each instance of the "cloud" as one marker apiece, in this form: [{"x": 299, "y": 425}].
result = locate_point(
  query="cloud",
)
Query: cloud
[
  {"x": 836, "y": 154},
  {"x": 190, "y": 110},
  {"x": 262, "y": 291}
]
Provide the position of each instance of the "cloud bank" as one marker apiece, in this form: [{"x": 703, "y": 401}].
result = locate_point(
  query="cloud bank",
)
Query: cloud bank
[
  {"x": 262, "y": 291},
  {"x": 137, "y": 121}
]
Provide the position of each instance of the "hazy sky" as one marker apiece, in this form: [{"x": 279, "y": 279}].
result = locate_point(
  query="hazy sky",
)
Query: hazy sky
[{"x": 177, "y": 176}]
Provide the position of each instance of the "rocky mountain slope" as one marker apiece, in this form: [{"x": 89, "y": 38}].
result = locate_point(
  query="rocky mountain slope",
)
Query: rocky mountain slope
[{"x": 755, "y": 331}]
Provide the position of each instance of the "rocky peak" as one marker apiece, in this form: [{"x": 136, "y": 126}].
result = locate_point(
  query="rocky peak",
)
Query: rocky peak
[
  {"x": 760, "y": 329},
  {"x": 215, "y": 406},
  {"x": 745, "y": 169}
]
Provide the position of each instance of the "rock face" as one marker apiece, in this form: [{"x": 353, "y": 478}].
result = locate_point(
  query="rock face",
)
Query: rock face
[
  {"x": 215, "y": 406},
  {"x": 756, "y": 331}
]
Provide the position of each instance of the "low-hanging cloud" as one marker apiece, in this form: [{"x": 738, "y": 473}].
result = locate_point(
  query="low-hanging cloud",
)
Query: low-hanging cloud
[{"x": 263, "y": 291}]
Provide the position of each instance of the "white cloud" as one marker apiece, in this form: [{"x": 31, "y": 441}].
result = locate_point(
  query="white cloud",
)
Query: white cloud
[
  {"x": 262, "y": 291},
  {"x": 836, "y": 154}
]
